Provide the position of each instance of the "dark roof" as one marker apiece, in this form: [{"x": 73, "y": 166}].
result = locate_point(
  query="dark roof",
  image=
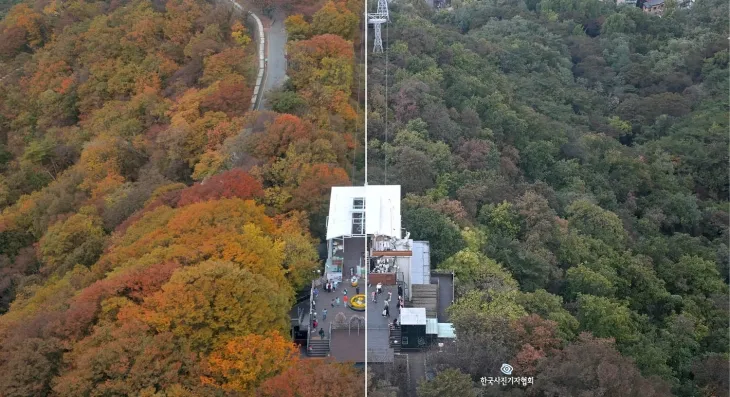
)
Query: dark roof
[
  {"x": 652, "y": 3},
  {"x": 446, "y": 294}
]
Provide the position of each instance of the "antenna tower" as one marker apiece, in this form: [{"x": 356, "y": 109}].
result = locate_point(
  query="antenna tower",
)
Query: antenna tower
[{"x": 376, "y": 19}]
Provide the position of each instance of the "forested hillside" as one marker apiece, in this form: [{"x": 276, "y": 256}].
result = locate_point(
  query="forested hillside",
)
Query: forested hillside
[
  {"x": 568, "y": 160},
  {"x": 154, "y": 230}
]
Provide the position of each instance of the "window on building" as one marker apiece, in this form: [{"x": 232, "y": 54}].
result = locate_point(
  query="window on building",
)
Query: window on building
[
  {"x": 358, "y": 223},
  {"x": 358, "y": 203}
]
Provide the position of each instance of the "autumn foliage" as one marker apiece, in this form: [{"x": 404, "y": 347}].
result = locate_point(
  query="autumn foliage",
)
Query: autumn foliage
[
  {"x": 324, "y": 59},
  {"x": 230, "y": 184},
  {"x": 154, "y": 229},
  {"x": 319, "y": 377},
  {"x": 243, "y": 363}
]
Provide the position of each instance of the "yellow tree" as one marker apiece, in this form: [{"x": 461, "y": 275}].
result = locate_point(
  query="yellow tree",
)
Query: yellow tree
[
  {"x": 244, "y": 362},
  {"x": 239, "y": 34},
  {"x": 211, "y": 302},
  {"x": 77, "y": 240},
  {"x": 335, "y": 18},
  {"x": 297, "y": 28}
]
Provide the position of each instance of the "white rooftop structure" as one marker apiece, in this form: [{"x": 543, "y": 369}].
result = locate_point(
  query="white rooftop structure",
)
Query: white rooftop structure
[
  {"x": 432, "y": 326},
  {"x": 413, "y": 316},
  {"x": 446, "y": 330},
  {"x": 348, "y": 209}
]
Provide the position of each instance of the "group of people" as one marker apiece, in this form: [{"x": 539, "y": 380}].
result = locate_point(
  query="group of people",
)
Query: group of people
[
  {"x": 386, "y": 307},
  {"x": 331, "y": 285}
]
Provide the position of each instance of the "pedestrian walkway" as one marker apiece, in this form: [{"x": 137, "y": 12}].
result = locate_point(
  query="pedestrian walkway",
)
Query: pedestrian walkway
[
  {"x": 324, "y": 301},
  {"x": 378, "y": 334}
]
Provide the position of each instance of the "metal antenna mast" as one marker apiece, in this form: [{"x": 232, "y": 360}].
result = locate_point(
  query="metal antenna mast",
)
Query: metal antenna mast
[{"x": 376, "y": 19}]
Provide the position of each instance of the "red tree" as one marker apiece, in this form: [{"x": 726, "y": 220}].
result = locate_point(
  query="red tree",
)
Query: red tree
[
  {"x": 284, "y": 130},
  {"x": 536, "y": 338},
  {"x": 311, "y": 194},
  {"x": 135, "y": 285},
  {"x": 319, "y": 378},
  {"x": 232, "y": 97},
  {"x": 230, "y": 184}
]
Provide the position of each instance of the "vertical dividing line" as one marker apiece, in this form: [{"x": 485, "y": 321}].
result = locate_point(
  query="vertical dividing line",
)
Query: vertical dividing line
[
  {"x": 366, "y": 93},
  {"x": 367, "y": 265},
  {"x": 387, "y": 48}
]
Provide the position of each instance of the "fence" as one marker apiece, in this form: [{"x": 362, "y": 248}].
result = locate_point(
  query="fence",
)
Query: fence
[{"x": 311, "y": 311}]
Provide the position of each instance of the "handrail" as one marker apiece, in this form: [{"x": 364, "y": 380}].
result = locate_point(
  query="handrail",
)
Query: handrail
[
  {"x": 309, "y": 321},
  {"x": 453, "y": 291},
  {"x": 329, "y": 341}
]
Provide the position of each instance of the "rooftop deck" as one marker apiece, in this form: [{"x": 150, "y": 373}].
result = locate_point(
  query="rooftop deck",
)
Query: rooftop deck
[
  {"x": 348, "y": 345},
  {"x": 345, "y": 346},
  {"x": 379, "y": 349}
]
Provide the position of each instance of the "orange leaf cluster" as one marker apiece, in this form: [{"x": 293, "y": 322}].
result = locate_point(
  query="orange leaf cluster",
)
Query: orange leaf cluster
[
  {"x": 230, "y": 184},
  {"x": 245, "y": 362},
  {"x": 319, "y": 378}
]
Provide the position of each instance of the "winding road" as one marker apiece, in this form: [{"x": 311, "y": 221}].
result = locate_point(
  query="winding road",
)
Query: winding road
[
  {"x": 275, "y": 53},
  {"x": 275, "y": 74}
]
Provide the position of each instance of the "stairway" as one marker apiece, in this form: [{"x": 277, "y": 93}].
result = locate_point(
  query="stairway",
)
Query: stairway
[
  {"x": 425, "y": 295},
  {"x": 395, "y": 339},
  {"x": 319, "y": 348}
]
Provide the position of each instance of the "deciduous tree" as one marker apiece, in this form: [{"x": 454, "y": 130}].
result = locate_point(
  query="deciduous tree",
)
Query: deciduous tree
[
  {"x": 319, "y": 377},
  {"x": 210, "y": 303},
  {"x": 244, "y": 362},
  {"x": 594, "y": 367},
  {"x": 230, "y": 184},
  {"x": 446, "y": 383}
]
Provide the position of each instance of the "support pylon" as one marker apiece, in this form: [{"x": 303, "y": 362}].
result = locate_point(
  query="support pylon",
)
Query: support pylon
[{"x": 377, "y": 19}]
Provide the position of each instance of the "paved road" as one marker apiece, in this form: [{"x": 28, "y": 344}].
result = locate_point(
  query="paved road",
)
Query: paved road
[{"x": 276, "y": 54}]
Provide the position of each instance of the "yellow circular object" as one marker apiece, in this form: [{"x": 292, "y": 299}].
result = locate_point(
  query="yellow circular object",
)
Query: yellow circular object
[
  {"x": 357, "y": 302},
  {"x": 353, "y": 283}
]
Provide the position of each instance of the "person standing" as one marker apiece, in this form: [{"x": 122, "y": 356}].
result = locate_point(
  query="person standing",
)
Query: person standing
[
  {"x": 324, "y": 314},
  {"x": 344, "y": 300},
  {"x": 357, "y": 290},
  {"x": 390, "y": 294},
  {"x": 379, "y": 287},
  {"x": 387, "y": 311},
  {"x": 314, "y": 324},
  {"x": 321, "y": 333},
  {"x": 333, "y": 302},
  {"x": 337, "y": 301},
  {"x": 344, "y": 292},
  {"x": 374, "y": 295}
]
